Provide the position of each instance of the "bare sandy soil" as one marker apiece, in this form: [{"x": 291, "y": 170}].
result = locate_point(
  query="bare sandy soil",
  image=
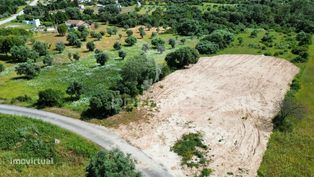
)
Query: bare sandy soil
[{"x": 230, "y": 99}]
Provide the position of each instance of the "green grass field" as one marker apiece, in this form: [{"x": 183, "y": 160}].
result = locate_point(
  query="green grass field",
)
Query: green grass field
[
  {"x": 24, "y": 138},
  {"x": 291, "y": 154}
]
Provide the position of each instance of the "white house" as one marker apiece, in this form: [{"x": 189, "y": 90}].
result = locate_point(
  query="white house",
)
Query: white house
[{"x": 35, "y": 22}]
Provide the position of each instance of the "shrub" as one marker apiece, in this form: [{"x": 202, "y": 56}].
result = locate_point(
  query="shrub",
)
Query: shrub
[
  {"x": 28, "y": 69},
  {"x": 49, "y": 98},
  {"x": 2, "y": 68},
  {"x": 221, "y": 37},
  {"x": 20, "y": 53},
  {"x": 138, "y": 73},
  {"x": 90, "y": 46},
  {"x": 48, "y": 60},
  {"x": 101, "y": 58},
  {"x": 106, "y": 103},
  {"x": 157, "y": 42},
  {"x": 122, "y": 54},
  {"x": 182, "y": 57},
  {"x": 206, "y": 47},
  {"x": 76, "y": 56},
  {"x": 74, "y": 90},
  {"x": 62, "y": 29},
  {"x": 111, "y": 163},
  {"x": 188, "y": 146},
  {"x": 172, "y": 43},
  {"x": 131, "y": 40},
  {"x": 41, "y": 48},
  {"x": 117, "y": 45},
  {"x": 60, "y": 47}
]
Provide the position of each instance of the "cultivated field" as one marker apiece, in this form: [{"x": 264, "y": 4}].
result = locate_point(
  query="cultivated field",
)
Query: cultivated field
[{"x": 229, "y": 99}]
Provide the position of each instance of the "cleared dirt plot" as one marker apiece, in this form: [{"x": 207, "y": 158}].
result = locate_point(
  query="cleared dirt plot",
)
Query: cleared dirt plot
[{"x": 229, "y": 99}]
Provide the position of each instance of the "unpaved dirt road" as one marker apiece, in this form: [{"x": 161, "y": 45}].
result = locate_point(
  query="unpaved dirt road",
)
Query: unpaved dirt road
[
  {"x": 97, "y": 134},
  {"x": 230, "y": 99}
]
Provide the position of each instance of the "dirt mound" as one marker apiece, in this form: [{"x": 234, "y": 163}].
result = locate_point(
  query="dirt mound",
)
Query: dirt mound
[{"x": 230, "y": 99}]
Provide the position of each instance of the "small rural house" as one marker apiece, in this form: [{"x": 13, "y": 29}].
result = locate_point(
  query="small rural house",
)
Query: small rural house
[
  {"x": 76, "y": 23},
  {"x": 35, "y": 23}
]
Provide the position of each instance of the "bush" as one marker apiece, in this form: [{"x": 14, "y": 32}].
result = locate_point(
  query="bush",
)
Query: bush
[
  {"x": 182, "y": 57},
  {"x": 188, "y": 27},
  {"x": 60, "y": 47},
  {"x": 188, "y": 146},
  {"x": 122, "y": 54},
  {"x": 106, "y": 103},
  {"x": 221, "y": 37},
  {"x": 20, "y": 53},
  {"x": 172, "y": 42},
  {"x": 111, "y": 163},
  {"x": 2, "y": 68},
  {"x": 206, "y": 47},
  {"x": 299, "y": 59},
  {"x": 138, "y": 73},
  {"x": 48, "y": 60},
  {"x": 41, "y": 48},
  {"x": 90, "y": 46},
  {"x": 131, "y": 40},
  {"x": 29, "y": 70},
  {"x": 75, "y": 90},
  {"x": 117, "y": 46},
  {"x": 101, "y": 58},
  {"x": 158, "y": 42},
  {"x": 49, "y": 98}
]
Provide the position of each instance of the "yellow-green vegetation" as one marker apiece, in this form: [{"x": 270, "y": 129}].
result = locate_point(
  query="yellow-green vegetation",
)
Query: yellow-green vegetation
[
  {"x": 291, "y": 153},
  {"x": 281, "y": 45},
  {"x": 25, "y": 138},
  {"x": 93, "y": 77}
]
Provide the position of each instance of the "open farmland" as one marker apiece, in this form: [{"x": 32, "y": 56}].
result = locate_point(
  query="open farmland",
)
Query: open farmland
[{"x": 229, "y": 99}]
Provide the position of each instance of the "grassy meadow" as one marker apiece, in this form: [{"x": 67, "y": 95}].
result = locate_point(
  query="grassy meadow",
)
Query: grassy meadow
[
  {"x": 291, "y": 154},
  {"x": 24, "y": 138}
]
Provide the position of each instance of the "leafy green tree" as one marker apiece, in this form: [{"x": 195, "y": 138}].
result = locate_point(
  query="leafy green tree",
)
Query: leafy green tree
[
  {"x": 304, "y": 38},
  {"x": 253, "y": 34},
  {"x": 72, "y": 38},
  {"x": 102, "y": 58},
  {"x": 172, "y": 42},
  {"x": 221, "y": 37},
  {"x": 142, "y": 32},
  {"x": 138, "y": 73},
  {"x": 117, "y": 45},
  {"x": 158, "y": 42},
  {"x": 60, "y": 47},
  {"x": 183, "y": 40},
  {"x": 206, "y": 47},
  {"x": 28, "y": 69},
  {"x": 90, "y": 46},
  {"x": 77, "y": 43},
  {"x": 41, "y": 48},
  {"x": 98, "y": 36},
  {"x": 75, "y": 90},
  {"x": 182, "y": 57},
  {"x": 161, "y": 49},
  {"x": 122, "y": 54},
  {"x": 188, "y": 27},
  {"x": 105, "y": 103},
  {"x": 50, "y": 98},
  {"x": 20, "y": 53},
  {"x": 129, "y": 32},
  {"x": 7, "y": 42},
  {"x": 84, "y": 35},
  {"x": 131, "y": 40},
  {"x": 111, "y": 164},
  {"x": 48, "y": 60},
  {"x": 76, "y": 56},
  {"x": 62, "y": 29}
]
